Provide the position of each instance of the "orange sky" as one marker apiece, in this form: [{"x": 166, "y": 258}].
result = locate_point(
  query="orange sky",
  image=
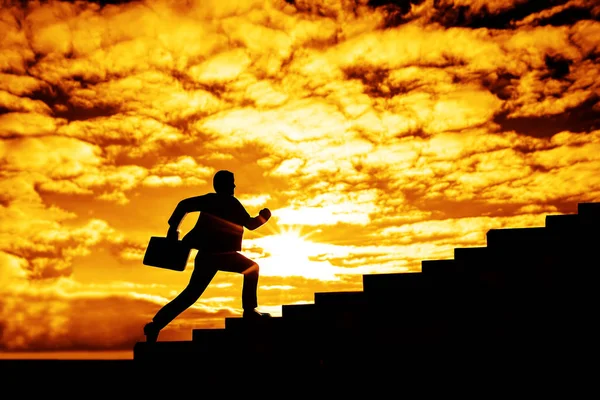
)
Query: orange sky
[{"x": 378, "y": 133}]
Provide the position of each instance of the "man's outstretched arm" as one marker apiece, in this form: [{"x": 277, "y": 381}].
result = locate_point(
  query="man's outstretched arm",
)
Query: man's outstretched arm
[
  {"x": 258, "y": 221},
  {"x": 185, "y": 206}
]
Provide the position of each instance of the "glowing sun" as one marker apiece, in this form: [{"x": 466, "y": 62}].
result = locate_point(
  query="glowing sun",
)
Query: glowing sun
[{"x": 289, "y": 253}]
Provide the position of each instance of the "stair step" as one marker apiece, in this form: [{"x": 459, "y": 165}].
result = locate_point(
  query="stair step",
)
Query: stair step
[
  {"x": 589, "y": 210},
  {"x": 266, "y": 335},
  {"x": 298, "y": 311},
  {"x": 445, "y": 267},
  {"x": 176, "y": 350},
  {"x": 519, "y": 237},
  {"x": 405, "y": 294},
  {"x": 339, "y": 299},
  {"x": 480, "y": 262},
  {"x": 472, "y": 254},
  {"x": 269, "y": 354},
  {"x": 175, "y": 345},
  {"x": 562, "y": 221},
  {"x": 239, "y": 324},
  {"x": 376, "y": 283},
  {"x": 215, "y": 336},
  {"x": 340, "y": 315}
]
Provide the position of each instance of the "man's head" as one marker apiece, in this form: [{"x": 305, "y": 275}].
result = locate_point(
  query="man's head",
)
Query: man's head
[{"x": 223, "y": 182}]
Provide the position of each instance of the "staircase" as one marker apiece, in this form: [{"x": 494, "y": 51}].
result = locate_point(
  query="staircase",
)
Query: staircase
[{"x": 528, "y": 298}]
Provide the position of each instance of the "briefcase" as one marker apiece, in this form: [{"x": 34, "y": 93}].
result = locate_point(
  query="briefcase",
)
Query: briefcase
[{"x": 166, "y": 253}]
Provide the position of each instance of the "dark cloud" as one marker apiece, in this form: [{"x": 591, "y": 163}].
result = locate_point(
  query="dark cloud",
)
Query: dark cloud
[
  {"x": 581, "y": 119},
  {"x": 375, "y": 82},
  {"x": 568, "y": 16},
  {"x": 450, "y": 14},
  {"x": 501, "y": 84},
  {"x": 65, "y": 105},
  {"x": 558, "y": 67},
  {"x": 395, "y": 11},
  {"x": 101, "y": 3}
]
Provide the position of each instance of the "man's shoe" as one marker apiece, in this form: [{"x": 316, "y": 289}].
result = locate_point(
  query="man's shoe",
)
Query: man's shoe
[
  {"x": 253, "y": 314},
  {"x": 151, "y": 332}
]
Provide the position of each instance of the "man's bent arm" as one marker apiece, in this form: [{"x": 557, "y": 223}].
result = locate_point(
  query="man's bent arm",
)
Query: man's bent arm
[
  {"x": 185, "y": 206},
  {"x": 255, "y": 222}
]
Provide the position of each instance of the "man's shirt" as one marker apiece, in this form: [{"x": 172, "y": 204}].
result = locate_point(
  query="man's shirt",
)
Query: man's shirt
[{"x": 220, "y": 226}]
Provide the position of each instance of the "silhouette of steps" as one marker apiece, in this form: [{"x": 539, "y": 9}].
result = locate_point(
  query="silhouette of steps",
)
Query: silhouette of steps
[
  {"x": 527, "y": 237},
  {"x": 331, "y": 306},
  {"x": 276, "y": 340},
  {"x": 167, "y": 352},
  {"x": 339, "y": 300},
  {"x": 482, "y": 269},
  {"x": 256, "y": 335},
  {"x": 341, "y": 322},
  {"x": 524, "y": 249},
  {"x": 577, "y": 260},
  {"x": 473, "y": 258},
  {"x": 489, "y": 301},
  {"x": 417, "y": 289},
  {"x": 579, "y": 233},
  {"x": 332, "y": 322},
  {"x": 528, "y": 298},
  {"x": 205, "y": 340},
  {"x": 563, "y": 222},
  {"x": 382, "y": 293},
  {"x": 533, "y": 291},
  {"x": 340, "y": 310},
  {"x": 351, "y": 324},
  {"x": 527, "y": 257},
  {"x": 584, "y": 223},
  {"x": 589, "y": 211},
  {"x": 442, "y": 268},
  {"x": 415, "y": 293},
  {"x": 383, "y": 283},
  {"x": 509, "y": 262},
  {"x": 299, "y": 312},
  {"x": 446, "y": 275},
  {"x": 540, "y": 255},
  {"x": 427, "y": 308},
  {"x": 331, "y": 310}
]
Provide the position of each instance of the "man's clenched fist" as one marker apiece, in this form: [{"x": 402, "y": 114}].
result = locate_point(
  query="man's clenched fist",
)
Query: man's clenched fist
[{"x": 265, "y": 213}]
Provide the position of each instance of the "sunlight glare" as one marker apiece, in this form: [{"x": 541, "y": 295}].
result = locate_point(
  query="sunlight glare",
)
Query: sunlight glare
[{"x": 289, "y": 253}]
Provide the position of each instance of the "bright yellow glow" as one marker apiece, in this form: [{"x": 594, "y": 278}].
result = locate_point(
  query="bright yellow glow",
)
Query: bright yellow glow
[{"x": 288, "y": 253}]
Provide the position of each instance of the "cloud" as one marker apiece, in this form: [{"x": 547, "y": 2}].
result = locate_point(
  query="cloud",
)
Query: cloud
[
  {"x": 388, "y": 132},
  {"x": 65, "y": 315},
  {"x": 47, "y": 252}
]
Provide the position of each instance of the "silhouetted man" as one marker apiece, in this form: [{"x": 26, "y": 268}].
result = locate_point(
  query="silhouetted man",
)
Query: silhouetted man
[{"x": 217, "y": 236}]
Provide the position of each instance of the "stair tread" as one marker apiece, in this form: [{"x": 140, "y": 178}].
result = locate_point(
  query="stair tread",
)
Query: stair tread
[
  {"x": 464, "y": 253},
  {"x": 337, "y": 298},
  {"x": 262, "y": 324},
  {"x": 176, "y": 346},
  {"x": 374, "y": 283},
  {"x": 562, "y": 221},
  {"x": 209, "y": 335},
  {"x": 441, "y": 267},
  {"x": 589, "y": 209},
  {"x": 165, "y": 343},
  {"x": 297, "y": 307},
  {"x": 300, "y": 313},
  {"x": 520, "y": 236}
]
